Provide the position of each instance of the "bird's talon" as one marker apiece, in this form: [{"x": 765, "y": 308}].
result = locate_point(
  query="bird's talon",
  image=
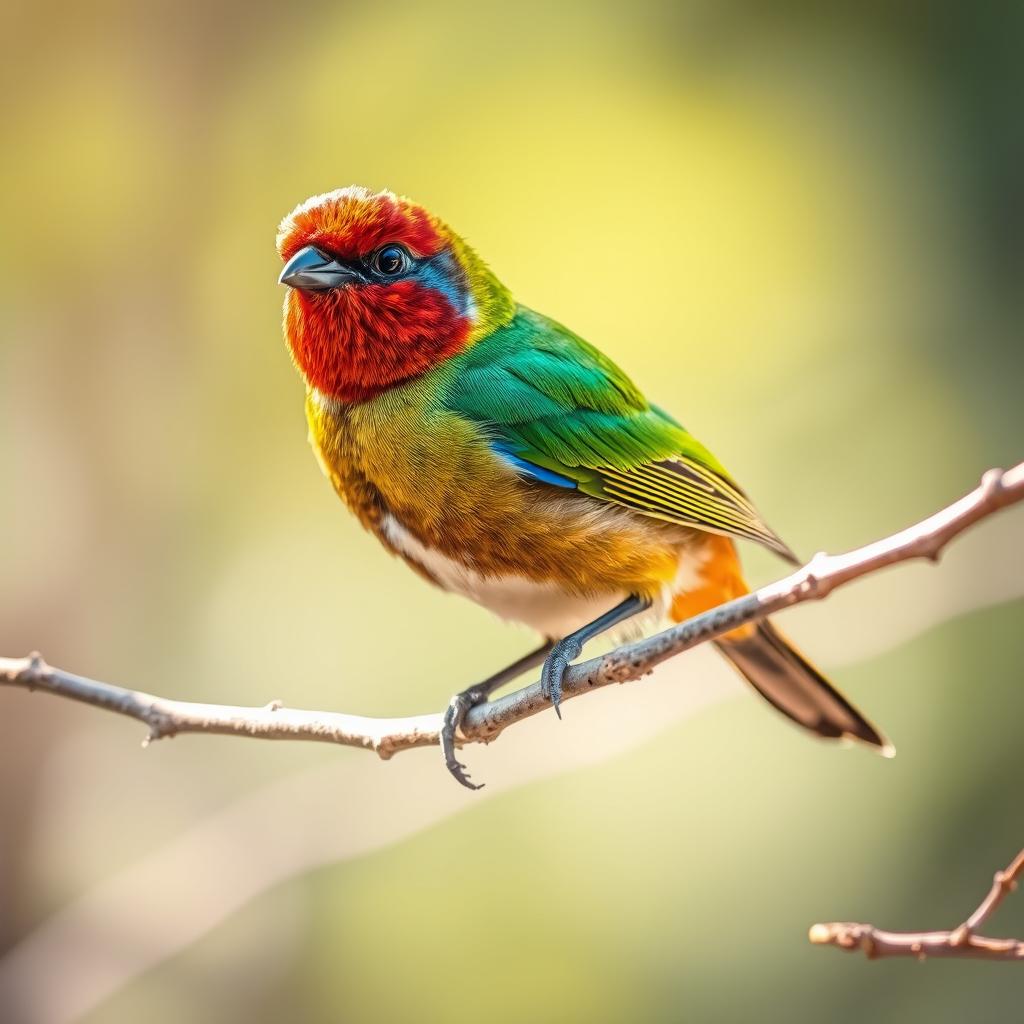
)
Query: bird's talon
[
  {"x": 458, "y": 771},
  {"x": 454, "y": 716},
  {"x": 460, "y": 705},
  {"x": 557, "y": 664}
]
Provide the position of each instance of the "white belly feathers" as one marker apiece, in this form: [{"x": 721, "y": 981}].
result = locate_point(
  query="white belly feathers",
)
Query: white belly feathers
[{"x": 544, "y": 607}]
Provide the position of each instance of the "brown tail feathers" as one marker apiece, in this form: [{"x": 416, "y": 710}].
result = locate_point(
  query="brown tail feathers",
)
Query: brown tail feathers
[{"x": 792, "y": 684}]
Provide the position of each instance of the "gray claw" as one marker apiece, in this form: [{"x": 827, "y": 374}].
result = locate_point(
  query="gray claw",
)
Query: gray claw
[
  {"x": 557, "y": 664},
  {"x": 454, "y": 716}
]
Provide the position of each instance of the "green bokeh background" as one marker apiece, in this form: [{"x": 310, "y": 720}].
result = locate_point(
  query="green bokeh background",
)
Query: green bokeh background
[{"x": 802, "y": 232}]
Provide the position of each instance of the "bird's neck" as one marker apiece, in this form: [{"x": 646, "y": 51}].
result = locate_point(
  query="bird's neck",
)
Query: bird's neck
[
  {"x": 492, "y": 304},
  {"x": 353, "y": 344}
]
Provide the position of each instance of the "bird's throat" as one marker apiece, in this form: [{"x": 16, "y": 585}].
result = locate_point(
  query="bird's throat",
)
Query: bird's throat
[{"x": 355, "y": 343}]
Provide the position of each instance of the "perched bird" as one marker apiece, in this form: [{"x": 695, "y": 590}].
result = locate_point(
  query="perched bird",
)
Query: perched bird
[{"x": 506, "y": 459}]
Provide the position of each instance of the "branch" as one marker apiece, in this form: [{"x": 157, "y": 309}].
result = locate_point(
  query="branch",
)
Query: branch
[
  {"x": 963, "y": 941},
  {"x": 387, "y": 736}
]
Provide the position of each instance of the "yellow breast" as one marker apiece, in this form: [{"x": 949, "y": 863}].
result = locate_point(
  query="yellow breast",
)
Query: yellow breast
[{"x": 425, "y": 480}]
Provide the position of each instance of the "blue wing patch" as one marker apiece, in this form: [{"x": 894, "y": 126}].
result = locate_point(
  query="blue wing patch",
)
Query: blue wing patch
[{"x": 530, "y": 471}]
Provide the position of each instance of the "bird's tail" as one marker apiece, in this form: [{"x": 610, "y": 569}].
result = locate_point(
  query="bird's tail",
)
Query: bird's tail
[{"x": 786, "y": 679}]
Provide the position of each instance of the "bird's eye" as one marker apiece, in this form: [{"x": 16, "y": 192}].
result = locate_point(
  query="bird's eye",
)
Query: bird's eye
[{"x": 390, "y": 261}]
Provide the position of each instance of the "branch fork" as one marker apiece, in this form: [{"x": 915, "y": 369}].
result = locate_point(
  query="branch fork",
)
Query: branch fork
[{"x": 964, "y": 941}]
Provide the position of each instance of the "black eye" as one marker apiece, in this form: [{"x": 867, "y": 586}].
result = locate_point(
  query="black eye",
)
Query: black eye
[{"x": 390, "y": 261}]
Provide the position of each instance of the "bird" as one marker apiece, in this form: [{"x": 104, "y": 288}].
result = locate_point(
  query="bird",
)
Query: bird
[{"x": 506, "y": 459}]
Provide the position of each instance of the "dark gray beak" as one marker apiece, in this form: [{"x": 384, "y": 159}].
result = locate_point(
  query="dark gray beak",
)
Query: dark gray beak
[{"x": 314, "y": 270}]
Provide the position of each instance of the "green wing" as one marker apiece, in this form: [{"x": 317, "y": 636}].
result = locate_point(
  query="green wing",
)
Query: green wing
[{"x": 566, "y": 415}]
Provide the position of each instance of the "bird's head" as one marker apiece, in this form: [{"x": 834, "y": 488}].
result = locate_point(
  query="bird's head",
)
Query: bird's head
[{"x": 379, "y": 291}]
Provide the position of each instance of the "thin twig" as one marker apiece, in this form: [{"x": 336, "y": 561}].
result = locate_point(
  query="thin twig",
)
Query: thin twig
[
  {"x": 387, "y": 736},
  {"x": 962, "y": 941}
]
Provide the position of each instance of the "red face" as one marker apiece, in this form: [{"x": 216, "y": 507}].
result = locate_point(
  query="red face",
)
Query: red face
[{"x": 377, "y": 296}]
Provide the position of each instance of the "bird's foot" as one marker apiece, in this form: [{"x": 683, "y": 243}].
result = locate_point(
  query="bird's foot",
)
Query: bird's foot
[
  {"x": 454, "y": 716},
  {"x": 557, "y": 663}
]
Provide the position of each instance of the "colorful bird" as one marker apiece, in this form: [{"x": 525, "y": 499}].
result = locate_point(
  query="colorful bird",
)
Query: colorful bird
[{"x": 506, "y": 459}]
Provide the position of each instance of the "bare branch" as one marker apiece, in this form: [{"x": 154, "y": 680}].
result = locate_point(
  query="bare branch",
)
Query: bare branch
[
  {"x": 963, "y": 941},
  {"x": 387, "y": 736}
]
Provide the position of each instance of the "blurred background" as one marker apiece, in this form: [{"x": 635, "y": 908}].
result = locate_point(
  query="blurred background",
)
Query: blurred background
[{"x": 801, "y": 230}]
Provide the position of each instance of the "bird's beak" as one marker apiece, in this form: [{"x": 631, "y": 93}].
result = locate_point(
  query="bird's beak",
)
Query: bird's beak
[{"x": 314, "y": 270}]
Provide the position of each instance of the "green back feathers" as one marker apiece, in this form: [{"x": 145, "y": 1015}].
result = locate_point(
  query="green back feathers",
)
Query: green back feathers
[{"x": 555, "y": 402}]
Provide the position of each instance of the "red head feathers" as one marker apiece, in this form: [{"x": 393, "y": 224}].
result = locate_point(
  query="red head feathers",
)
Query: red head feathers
[{"x": 381, "y": 292}]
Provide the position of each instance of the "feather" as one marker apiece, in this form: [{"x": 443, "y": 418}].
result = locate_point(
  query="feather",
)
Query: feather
[{"x": 563, "y": 414}]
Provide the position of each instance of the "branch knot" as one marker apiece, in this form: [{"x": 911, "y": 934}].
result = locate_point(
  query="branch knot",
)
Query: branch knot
[{"x": 33, "y": 671}]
